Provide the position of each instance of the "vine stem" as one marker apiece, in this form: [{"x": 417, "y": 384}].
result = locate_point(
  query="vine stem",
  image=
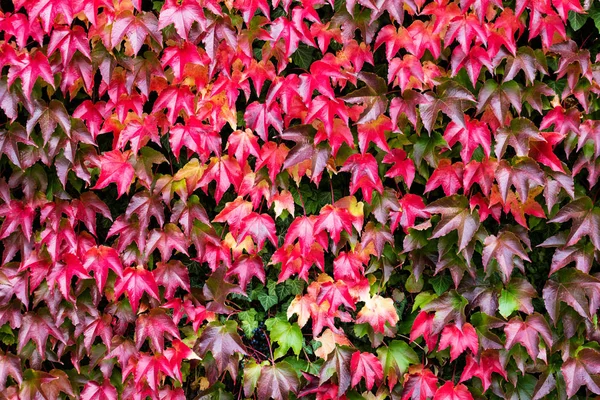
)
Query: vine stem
[
  {"x": 331, "y": 187},
  {"x": 269, "y": 344},
  {"x": 301, "y": 199}
]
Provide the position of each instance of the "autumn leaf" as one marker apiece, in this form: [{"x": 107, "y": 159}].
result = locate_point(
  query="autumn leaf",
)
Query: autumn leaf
[
  {"x": 367, "y": 366},
  {"x": 420, "y": 384},
  {"x": 116, "y": 168},
  {"x": 378, "y": 311},
  {"x": 450, "y": 392},
  {"x": 459, "y": 339}
]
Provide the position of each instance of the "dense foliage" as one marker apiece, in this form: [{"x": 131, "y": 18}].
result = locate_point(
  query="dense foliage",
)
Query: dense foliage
[{"x": 279, "y": 198}]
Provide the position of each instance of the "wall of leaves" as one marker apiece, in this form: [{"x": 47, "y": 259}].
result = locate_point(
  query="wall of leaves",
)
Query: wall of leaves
[{"x": 361, "y": 199}]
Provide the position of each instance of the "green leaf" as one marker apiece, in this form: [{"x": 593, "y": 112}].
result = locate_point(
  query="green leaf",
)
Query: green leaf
[
  {"x": 251, "y": 375},
  {"x": 397, "y": 357},
  {"x": 303, "y": 57},
  {"x": 507, "y": 303},
  {"x": 423, "y": 299},
  {"x": 267, "y": 300},
  {"x": 441, "y": 283},
  {"x": 577, "y": 20},
  {"x": 594, "y": 13},
  {"x": 7, "y": 336},
  {"x": 286, "y": 335},
  {"x": 249, "y": 322}
]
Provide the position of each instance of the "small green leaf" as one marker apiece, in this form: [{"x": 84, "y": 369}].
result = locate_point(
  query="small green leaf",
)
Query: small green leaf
[
  {"x": 441, "y": 283},
  {"x": 422, "y": 299},
  {"x": 507, "y": 303},
  {"x": 577, "y": 20},
  {"x": 249, "y": 322},
  {"x": 267, "y": 300}
]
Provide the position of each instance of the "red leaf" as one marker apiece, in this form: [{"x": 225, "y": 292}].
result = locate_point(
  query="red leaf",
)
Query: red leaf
[
  {"x": 450, "y": 392},
  {"x": 422, "y": 326},
  {"x": 99, "y": 259},
  {"x": 473, "y": 135},
  {"x": 326, "y": 109},
  {"x": 367, "y": 366},
  {"x": 333, "y": 220},
  {"x": 582, "y": 370},
  {"x": 420, "y": 384},
  {"x": 135, "y": 282},
  {"x": 182, "y": 15},
  {"x": 489, "y": 362},
  {"x": 95, "y": 391},
  {"x": 447, "y": 175},
  {"x": 245, "y": 268},
  {"x": 459, "y": 339},
  {"x": 37, "y": 327},
  {"x": 526, "y": 333},
  {"x": 116, "y": 168},
  {"x": 172, "y": 275},
  {"x": 225, "y": 171},
  {"x": 365, "y": 175},
  {"x": 260, "y": 227},
  {"x": 154, "y": 325},
  {"x": 374, "y": 131}
]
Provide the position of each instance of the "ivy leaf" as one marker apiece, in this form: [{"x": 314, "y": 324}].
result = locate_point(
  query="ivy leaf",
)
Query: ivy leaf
[
  {"x": 99, "y": 259},
  {"x": 452, "y": 99},
  {"x": 448, "y": 307},
  {"x": 288, "y": 336},
  {"x": 489, "y": 362},
  {"x": 584, "y": 369},
  {"x": 447, "y": 175},
  {"x": 574, "y": 288},
  {"x": 455, "y": 216},
  {"x": 518, "y": 135},
  {"x": 365, "y": 175},
  {"x": 154, "y": 325},
  {"x": 116, "y": 168},
  {"x": 135, "y": 282},
  {"x": 338, "y": 363},
  {"x": 421, "y": 384},
  {"x": 585, "y": 221},
  {"x": 10, "y": 365},
  {"x": 367, "y": 366},
  {"x": 526, "y": 333},
  {"x": 450, "y": 392},
  {"x": 498, "y": 98},
  {"x": 396, "y": 359},
  {"x": 401, "y": 166},
  {"x": 277, "y": 381},
  {"x": 516, "y": 296},
  {"x": 334, "y": 220},
  {"x": 503, "y": 249},
  {"x": 223, "y": 342},
  {"x": 422, "y": 326},
  {"x": 29, "y": 67},
  {"x": 181, "y": 15},
  {"x": 459, "y": 339},
  {"x": 245, "y": 268},
  {"x": 378, "y": 311},
  {"x": 94, "y": 391},
  {"x": 474, "y": 134},
  {"x": 260, "y": 227},
  {"x": 37, "y": 327},
  {"x": 372, "y": 97}
]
